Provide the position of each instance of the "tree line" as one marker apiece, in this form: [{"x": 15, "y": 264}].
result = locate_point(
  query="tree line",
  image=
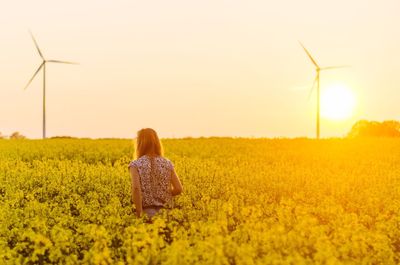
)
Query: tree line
[
  {"x": 364, "y": 128},
  {"x": 14, "y": 135},
  {"x": 360, "y": 129}
]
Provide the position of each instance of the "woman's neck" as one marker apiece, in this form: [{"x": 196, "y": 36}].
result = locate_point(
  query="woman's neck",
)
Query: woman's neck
[{"x": 151, "y": 155}]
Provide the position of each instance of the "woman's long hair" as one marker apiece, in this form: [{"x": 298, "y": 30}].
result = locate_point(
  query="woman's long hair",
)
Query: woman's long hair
[{"x": 148, "y": 143}]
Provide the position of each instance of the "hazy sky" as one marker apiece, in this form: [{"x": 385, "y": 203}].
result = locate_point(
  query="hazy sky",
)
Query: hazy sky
[{"x": 195, "y": 68}]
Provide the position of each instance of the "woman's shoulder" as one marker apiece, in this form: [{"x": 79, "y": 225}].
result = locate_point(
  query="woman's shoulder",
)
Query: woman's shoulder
[
  {"x": 167, "y": 162},
  {"x": 143, "y": 160},
  {"x": 132, "y": 164},
  {"x": 136, "y": 162}
]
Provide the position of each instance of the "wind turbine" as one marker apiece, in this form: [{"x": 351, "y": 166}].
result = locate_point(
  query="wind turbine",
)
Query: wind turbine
[
  {"x": 43, "y": 65},
  {"x": 318, "y": 69}
]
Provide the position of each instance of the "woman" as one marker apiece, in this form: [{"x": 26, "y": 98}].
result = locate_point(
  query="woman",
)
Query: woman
[{"x": 154, "y": 180}]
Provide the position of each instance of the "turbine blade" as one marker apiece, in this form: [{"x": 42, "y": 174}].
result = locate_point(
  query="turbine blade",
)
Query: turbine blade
[
  {"x": 57, "y": 61},
  {"x": 335, "y": 67},
  {"x": 309, "y": 55},
  {"x": 37, "y": 46},
  {"x": 37, "y": 71},
  {"x": 312, "y": 88}
]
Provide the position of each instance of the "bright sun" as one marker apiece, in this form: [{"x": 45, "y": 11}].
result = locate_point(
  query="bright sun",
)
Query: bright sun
[{"x": 337, "y": 102}]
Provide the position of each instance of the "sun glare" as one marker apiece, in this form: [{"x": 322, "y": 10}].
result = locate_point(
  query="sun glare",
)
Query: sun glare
[{"x": 337, "y": 102}]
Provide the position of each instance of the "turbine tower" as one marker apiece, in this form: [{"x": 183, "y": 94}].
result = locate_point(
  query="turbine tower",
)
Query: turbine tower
[
  {"x": 318, "y": 69},
  {"x": 43, "y": 65}
]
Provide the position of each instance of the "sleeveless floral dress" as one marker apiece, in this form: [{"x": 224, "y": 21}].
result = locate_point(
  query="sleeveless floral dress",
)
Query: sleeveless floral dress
[{"x": 155, "y": 180}]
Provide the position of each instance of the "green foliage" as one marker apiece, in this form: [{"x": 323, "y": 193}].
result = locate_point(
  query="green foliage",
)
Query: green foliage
[
  {"x": 365, "y": 128},
  {"x": 245, "y": 201},
  {"x": 16, "y": 136}
]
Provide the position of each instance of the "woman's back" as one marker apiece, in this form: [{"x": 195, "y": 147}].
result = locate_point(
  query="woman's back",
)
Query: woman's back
[{"x": 155, "y": 179}]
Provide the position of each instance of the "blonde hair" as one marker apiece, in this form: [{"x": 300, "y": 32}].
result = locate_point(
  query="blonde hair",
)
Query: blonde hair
[{"x": 148, "y": 143}]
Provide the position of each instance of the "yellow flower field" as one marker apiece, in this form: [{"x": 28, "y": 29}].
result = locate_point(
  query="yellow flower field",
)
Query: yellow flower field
[{"x": 245, "y": 201}]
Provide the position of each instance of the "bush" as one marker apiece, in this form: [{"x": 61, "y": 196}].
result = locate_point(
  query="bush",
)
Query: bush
[
  {"x": 17, "y": 135},
  {"x": 364, "y": 128}
]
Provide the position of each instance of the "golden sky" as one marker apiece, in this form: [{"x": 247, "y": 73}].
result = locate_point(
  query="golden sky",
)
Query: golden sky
[{"x": 195, "y": 68}]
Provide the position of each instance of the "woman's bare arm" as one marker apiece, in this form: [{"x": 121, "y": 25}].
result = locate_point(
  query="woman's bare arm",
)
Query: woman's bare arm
[
  {"x": 176, "y": 184},
  {"x": 136, "y": 191}
]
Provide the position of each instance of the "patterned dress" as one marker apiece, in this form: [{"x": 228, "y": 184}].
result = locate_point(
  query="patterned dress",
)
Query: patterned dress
[{"x": 155, "y": 179}]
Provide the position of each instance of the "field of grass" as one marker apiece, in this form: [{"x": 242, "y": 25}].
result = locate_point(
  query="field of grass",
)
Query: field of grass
[{"x": 245, "y": 201}]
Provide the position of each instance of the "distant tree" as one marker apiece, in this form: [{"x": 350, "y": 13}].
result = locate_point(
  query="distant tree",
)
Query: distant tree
[
  {"x": 392, "y": 125},
  {"x": 1, "y": 136},
  {"x": 17, "y": 135},
  {"x": 364, "y": 128},
  {"x": 62, "y": 137}
]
